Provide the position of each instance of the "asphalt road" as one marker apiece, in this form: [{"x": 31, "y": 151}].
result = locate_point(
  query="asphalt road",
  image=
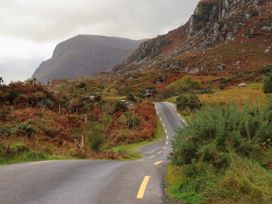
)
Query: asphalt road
[{"x": 93, "y": 182}]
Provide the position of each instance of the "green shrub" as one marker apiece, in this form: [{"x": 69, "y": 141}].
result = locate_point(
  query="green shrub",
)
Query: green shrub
[
  {"x": 266, "y": 69},
  {"x": 224, "y": 155},
  {"x": 96, "y": 137},
  {"x": 184, "y": 85},
  {"x": 81, "y": 85},
  {"x": 188, "y": 102},
  {"x": 18, "y": 148},
  {"x": 267, "y": 88},
  {"x": 25, "y": 129},
  {"x": 216, "y": 131},
  {"x": 120, "y": 107},
  {"x": 132, "y": 120},
  {"x": 131, "y": 97},
  {"x": 4, "y": 130}
]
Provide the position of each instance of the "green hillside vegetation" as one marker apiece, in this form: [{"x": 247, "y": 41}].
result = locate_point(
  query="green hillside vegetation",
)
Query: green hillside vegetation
[
  {"x": 48, "y": 122},
  {"x": 224, "y": 155}
]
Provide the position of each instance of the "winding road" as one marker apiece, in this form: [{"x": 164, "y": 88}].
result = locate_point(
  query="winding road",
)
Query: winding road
[{"x": 94, "y": 182}]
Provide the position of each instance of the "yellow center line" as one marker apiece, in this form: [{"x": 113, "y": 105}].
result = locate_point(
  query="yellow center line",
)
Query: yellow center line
[
  {"x": 158, "y": 162},
  {"x": 141, "y": 191}
]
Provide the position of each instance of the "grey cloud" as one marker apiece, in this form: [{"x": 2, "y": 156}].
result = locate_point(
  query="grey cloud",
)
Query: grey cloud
[
  {"x": 13, "y": 69},
  {"x": 47, "y": 20}
]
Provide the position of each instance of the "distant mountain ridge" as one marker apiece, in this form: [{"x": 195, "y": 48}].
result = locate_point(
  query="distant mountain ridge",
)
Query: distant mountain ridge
[{"x": 85, "y": 55}]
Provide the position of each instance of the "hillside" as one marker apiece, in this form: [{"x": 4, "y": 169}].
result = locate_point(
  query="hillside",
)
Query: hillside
[
  {"x": 84, "y": 55},
  {"x": 217, "y": 37}
]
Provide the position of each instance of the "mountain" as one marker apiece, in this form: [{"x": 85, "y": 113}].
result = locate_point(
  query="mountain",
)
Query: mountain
[
  {"x": 221, "y": 35},
  {"x": 85, "y": 55}
]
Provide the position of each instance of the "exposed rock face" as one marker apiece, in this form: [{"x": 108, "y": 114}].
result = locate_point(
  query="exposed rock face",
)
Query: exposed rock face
[
  {"x": 85, "y": 55},
  {"x": 213, "y": 23}
]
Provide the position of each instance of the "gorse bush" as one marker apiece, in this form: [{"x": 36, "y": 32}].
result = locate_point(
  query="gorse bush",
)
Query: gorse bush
[
  {"x": 267, "y": 88},
  {"x": 132, "y": 120},
  {"x": 188, "y": 102},
  {"x": 185, "y": 85},
  {"x": 96, "y": 137},
  {"x": 120, "y": 107},
  {"x": 216, "y": 131},
  {"x": 225, "y": 154}
]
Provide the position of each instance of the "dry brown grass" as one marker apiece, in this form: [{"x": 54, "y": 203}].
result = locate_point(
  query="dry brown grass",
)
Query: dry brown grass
[{"x": 251, "y": 94}]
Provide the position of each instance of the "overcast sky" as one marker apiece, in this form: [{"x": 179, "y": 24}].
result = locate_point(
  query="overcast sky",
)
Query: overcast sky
[{"x": 30, "y": 29}]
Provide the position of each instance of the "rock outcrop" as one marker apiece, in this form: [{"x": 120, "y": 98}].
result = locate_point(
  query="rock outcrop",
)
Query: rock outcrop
[{"x": 213, "y": 23}]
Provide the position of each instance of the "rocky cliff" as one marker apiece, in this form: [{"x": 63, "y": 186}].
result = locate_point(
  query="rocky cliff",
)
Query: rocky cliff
[
  {"x": 85, "y": 55},
  {"x": 215, "y": 24}
]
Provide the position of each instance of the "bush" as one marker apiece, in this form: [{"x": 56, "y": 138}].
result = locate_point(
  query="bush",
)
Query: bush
[
  {"x": 25, "y": 129},
  {"x": 185, "y": 85},
  {"x": 120, "y": 107},
  {"x": 81, "y": 85},
  {"x": 132, "y": 120},
  {"x": 266, "y": 69},
  {"x": 216, "y": 131},
  {"x": 4, "y": 130},
  {"x": 267, "y": 88},
  {"x": 131, "y": 98},
  {"x": 18, "y": 148},
  {"x": 225, "y": 152},
  {"x": 188, "y": 102},
  {"x": 96, "y": 137}
]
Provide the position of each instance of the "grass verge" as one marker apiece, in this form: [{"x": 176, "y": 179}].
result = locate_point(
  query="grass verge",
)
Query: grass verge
[
  {"x": 134, "y": 150},
  {"x": 30, "y": 157}
]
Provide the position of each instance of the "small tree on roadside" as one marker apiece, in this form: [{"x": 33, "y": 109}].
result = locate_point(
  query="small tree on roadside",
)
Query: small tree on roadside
[
  {"x": 267, "y": 88},
  {"x": 188, "y": 102},
  {"x": 96, "y": 137}
]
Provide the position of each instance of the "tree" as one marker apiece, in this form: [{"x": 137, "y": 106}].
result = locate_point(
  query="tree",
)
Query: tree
[
  {"x": 267, "y": 88},
  {"x": 188, "y": 102},
  {"x": 1, "y": 80}
]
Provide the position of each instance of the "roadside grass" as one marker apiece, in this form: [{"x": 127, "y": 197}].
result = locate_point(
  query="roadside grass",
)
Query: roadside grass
[
  {"x": 245, "y": 181},
  {"x": 19, "y": 152},
  {"x": 174, "y": 178},
  {"x": 30, "y": 157},
  {"x": 134, "y": 150},
  {"x": 172, "y": 99}
]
